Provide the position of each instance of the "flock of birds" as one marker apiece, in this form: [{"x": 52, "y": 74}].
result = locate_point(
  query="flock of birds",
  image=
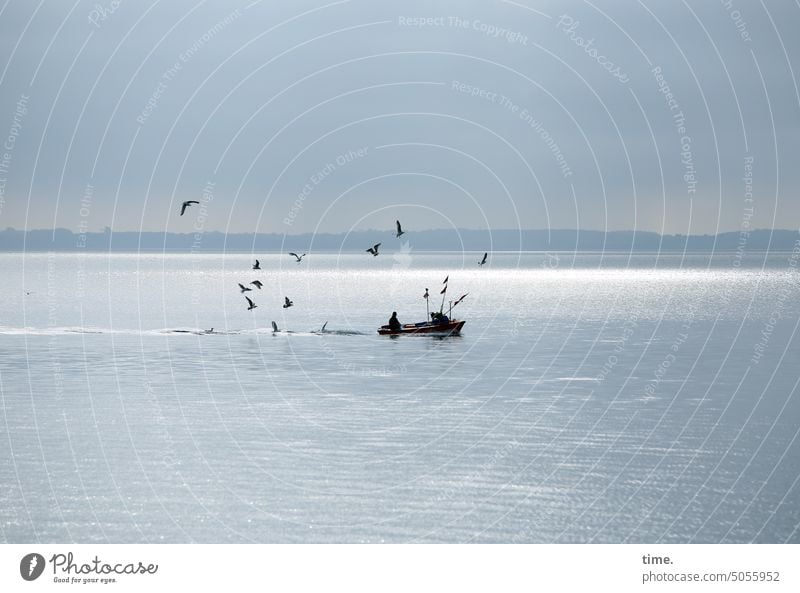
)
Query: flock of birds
[{"x": 287, "y": 302}]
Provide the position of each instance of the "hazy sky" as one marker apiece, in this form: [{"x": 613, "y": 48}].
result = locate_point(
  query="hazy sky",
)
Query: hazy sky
[{"x": 330, "y": 116}]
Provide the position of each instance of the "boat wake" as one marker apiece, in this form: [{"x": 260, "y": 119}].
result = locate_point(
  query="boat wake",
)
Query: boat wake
[{"x": 71, "y": 331}]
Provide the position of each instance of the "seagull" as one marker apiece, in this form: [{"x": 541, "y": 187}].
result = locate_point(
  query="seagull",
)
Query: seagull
[
  {"x": 186, "y": 204},
  {"x": 400, "y": 230},
  {"x": 244, "y": 288},
  {"x": 209, "y": 331},
  {"x": 251, "y": 303},
  {"x": 299, "y": 257},
  {"x": 256, "y": 266},
  {"x": 275, "y": 328},
  {"x": 373, "y": 250},
  {"x": 322, "y": 331},
  {"x": 257, "y": 284},
  {"x": 287, "y": 303},
  {"x": 483, "y": 261}
]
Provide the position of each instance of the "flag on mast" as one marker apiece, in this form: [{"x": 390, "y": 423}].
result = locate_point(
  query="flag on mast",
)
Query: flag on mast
[
  {"x": 446, "y": 279},
  {"x": 461, "y": 298},
  {"x": 444, "y": 290}
]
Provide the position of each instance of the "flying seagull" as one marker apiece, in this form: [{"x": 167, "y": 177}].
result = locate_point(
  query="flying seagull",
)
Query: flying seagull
[
  {"x": 483, "y": 261},
  {"x": 257, "y": 284},
  {"x": 186, "y": 204},
  {"x": 400, "y": 230},
  {"x": 373, "y": 250},
  {"x": 257, "y": 265},
  {"x": 299, "y": 257},
  {"x": 251, "y": 303},
  {"x": 287, "y": 303},
  {"x": 244, "y": 288},
  {"x": 322, "y": 331}
]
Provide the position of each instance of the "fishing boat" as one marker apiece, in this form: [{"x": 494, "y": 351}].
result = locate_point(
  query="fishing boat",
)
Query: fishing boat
[
  {"x": 439, "y": 324},
  {"x": 449, "y": 328}
]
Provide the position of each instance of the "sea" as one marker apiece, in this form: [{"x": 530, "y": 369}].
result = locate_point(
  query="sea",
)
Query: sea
[{"x": 591, "y": 397}]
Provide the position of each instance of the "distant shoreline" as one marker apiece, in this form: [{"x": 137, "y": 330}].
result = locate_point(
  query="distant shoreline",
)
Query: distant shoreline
[{"x": 453, "y": 240}]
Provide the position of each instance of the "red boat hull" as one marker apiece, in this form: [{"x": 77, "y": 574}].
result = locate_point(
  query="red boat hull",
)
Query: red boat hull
[{"x": 451, "y": 328}]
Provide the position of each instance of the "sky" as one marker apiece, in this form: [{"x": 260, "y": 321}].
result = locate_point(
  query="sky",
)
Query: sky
[{"x": 333, "y": 116}]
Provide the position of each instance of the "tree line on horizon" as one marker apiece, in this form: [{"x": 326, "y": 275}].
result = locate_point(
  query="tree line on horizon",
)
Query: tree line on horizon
[{"x": 427, "y": 240}]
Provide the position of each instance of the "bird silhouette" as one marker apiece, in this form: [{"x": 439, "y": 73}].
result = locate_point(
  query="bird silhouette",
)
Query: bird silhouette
[
  {"x": 483, "y": 261},
  {"x": 400, "y": 230},
  {"x": 244, "y": 288},
  {"x": 287, "y": 303},
  {"x": 373, "y": 250},
  {"x": 251, "y": 303},
  {"x": 257, "y": 284},
  {"x": 186, "y": 204},
  {"x": 299, "y": 257},
  {"x": 257, "y": 265}
]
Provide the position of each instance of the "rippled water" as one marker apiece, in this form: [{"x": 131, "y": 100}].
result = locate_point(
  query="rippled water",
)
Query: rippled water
[{"x": 590, "y": 398}]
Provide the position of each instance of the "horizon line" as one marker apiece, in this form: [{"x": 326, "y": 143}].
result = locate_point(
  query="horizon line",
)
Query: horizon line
[{"x": 372, "y": 230}]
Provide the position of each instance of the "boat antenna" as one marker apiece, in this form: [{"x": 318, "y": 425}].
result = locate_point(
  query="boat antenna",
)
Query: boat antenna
[{"x": 444, "y": 294}]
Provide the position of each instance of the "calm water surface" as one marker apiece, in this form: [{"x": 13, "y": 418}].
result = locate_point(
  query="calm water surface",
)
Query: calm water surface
[{"x": 590, "y": 398}]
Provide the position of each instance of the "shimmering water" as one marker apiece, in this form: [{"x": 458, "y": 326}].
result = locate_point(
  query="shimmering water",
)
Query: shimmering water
[{"x": 594, "y": 398}]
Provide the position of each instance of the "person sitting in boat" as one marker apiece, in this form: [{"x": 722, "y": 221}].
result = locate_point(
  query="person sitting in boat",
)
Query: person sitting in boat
[
  {"x": 394, "y": 322},
  {"x": 437, "y": 317}
]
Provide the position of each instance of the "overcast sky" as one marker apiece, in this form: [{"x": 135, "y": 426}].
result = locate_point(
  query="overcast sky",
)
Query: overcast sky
[{"x": 331, "y": 116}]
